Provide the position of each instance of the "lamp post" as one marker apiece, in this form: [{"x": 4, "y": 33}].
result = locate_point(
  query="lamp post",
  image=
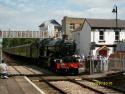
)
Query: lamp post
[{"x": 115, "y": 10}]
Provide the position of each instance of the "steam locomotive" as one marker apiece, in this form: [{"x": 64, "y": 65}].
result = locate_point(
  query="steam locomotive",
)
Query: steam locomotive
[{"x": 54, "y": 53}]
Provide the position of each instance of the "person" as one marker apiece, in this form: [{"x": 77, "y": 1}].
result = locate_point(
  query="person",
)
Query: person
[
  {"x": 3, "y": 70},
  {"x": 82, "y": 57},
  {"x": 99, "y": 63},
  {"x": 105, "y": 64}
]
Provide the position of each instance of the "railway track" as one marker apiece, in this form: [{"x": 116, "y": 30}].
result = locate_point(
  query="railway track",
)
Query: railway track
[
  {"x": 117, "y": 80},
  {"x": 21, "y": 68},
  {"x": 99, "y": 86},
  {"x": 73, "y": 85},
  {"x": 64, "y": 84},
  {"x": 46, "y": 86},
  {"x": 94, "y": 87},
  {"x": 62, "y": 87},
  {"x": 24, "y": 68},
  {"x": 27, "y": 71}
]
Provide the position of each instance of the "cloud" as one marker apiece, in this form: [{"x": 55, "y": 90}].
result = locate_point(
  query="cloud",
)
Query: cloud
[
  {"x": 93, "y": 3},
  {"x": 67, "y": 12},
  {"x": 29, "y": 14},
  {"x": 99, "y": 8},
  {"x": 10, "y": 18},
  {"x": 5, "y": 11},
  {"x": 88, "y": 13},
  {"x": 99, "y": 3},
  {"x": 99, "y": 13}
]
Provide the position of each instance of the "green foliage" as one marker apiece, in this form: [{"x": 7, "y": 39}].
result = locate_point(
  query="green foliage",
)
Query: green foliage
[{"x": 11, "y": 42}]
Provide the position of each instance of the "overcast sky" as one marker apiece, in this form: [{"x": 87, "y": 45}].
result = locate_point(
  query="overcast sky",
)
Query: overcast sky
[{"x": 29, "y": 14}]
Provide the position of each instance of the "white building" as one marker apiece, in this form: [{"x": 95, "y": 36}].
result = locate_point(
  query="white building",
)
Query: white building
[
  {"x": 50, "y": 28},
  {"x": 102, "y": 32}
]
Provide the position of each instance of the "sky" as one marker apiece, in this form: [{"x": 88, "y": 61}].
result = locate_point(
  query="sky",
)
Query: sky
[{"x": 29, "y": 14}]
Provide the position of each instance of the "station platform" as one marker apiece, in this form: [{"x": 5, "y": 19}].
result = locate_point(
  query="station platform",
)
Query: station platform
[
  {"x": 26, "y": 71},
  {"x": 18, "y": 85},
  {"x": 104, "y": 74}
]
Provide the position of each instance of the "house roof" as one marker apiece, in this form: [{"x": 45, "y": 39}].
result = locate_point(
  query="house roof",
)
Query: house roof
[
  {"x": 54, "y": 22},
  {"x": 103, "y": 23},
  {"x": 50, "y": 21},
  {"x": 103, "y": 48},
  {"x": 106, "y": 23}
]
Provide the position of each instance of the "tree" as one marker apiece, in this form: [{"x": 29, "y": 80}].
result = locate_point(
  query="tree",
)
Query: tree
[{"x": 11, "y": 42}]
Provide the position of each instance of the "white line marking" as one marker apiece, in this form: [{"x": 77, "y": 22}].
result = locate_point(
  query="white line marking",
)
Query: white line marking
[{"x": 34, "y": 85}]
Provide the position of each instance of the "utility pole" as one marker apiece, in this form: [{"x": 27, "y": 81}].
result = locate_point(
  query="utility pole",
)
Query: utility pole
[{"x": 92, "y": 47}]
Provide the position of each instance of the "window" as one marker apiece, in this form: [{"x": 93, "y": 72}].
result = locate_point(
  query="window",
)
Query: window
[
  {"x": 116, "y": 35},
  {"x": 80, "y": 25},
  {"x": 72, "y": 26},
  {"x": 101, "y": 35}
]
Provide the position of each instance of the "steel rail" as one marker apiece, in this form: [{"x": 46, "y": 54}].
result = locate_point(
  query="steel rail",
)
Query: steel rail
[{"x": 54, "y": 87}]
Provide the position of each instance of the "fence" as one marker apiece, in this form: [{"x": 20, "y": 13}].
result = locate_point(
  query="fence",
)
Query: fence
[
  {"x": 117, "y": 61},
  {"x": 96, "y": 66}
]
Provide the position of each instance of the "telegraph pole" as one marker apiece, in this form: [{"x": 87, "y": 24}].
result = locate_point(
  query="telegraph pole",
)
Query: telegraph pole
[{"x": 92, "y": 47}]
